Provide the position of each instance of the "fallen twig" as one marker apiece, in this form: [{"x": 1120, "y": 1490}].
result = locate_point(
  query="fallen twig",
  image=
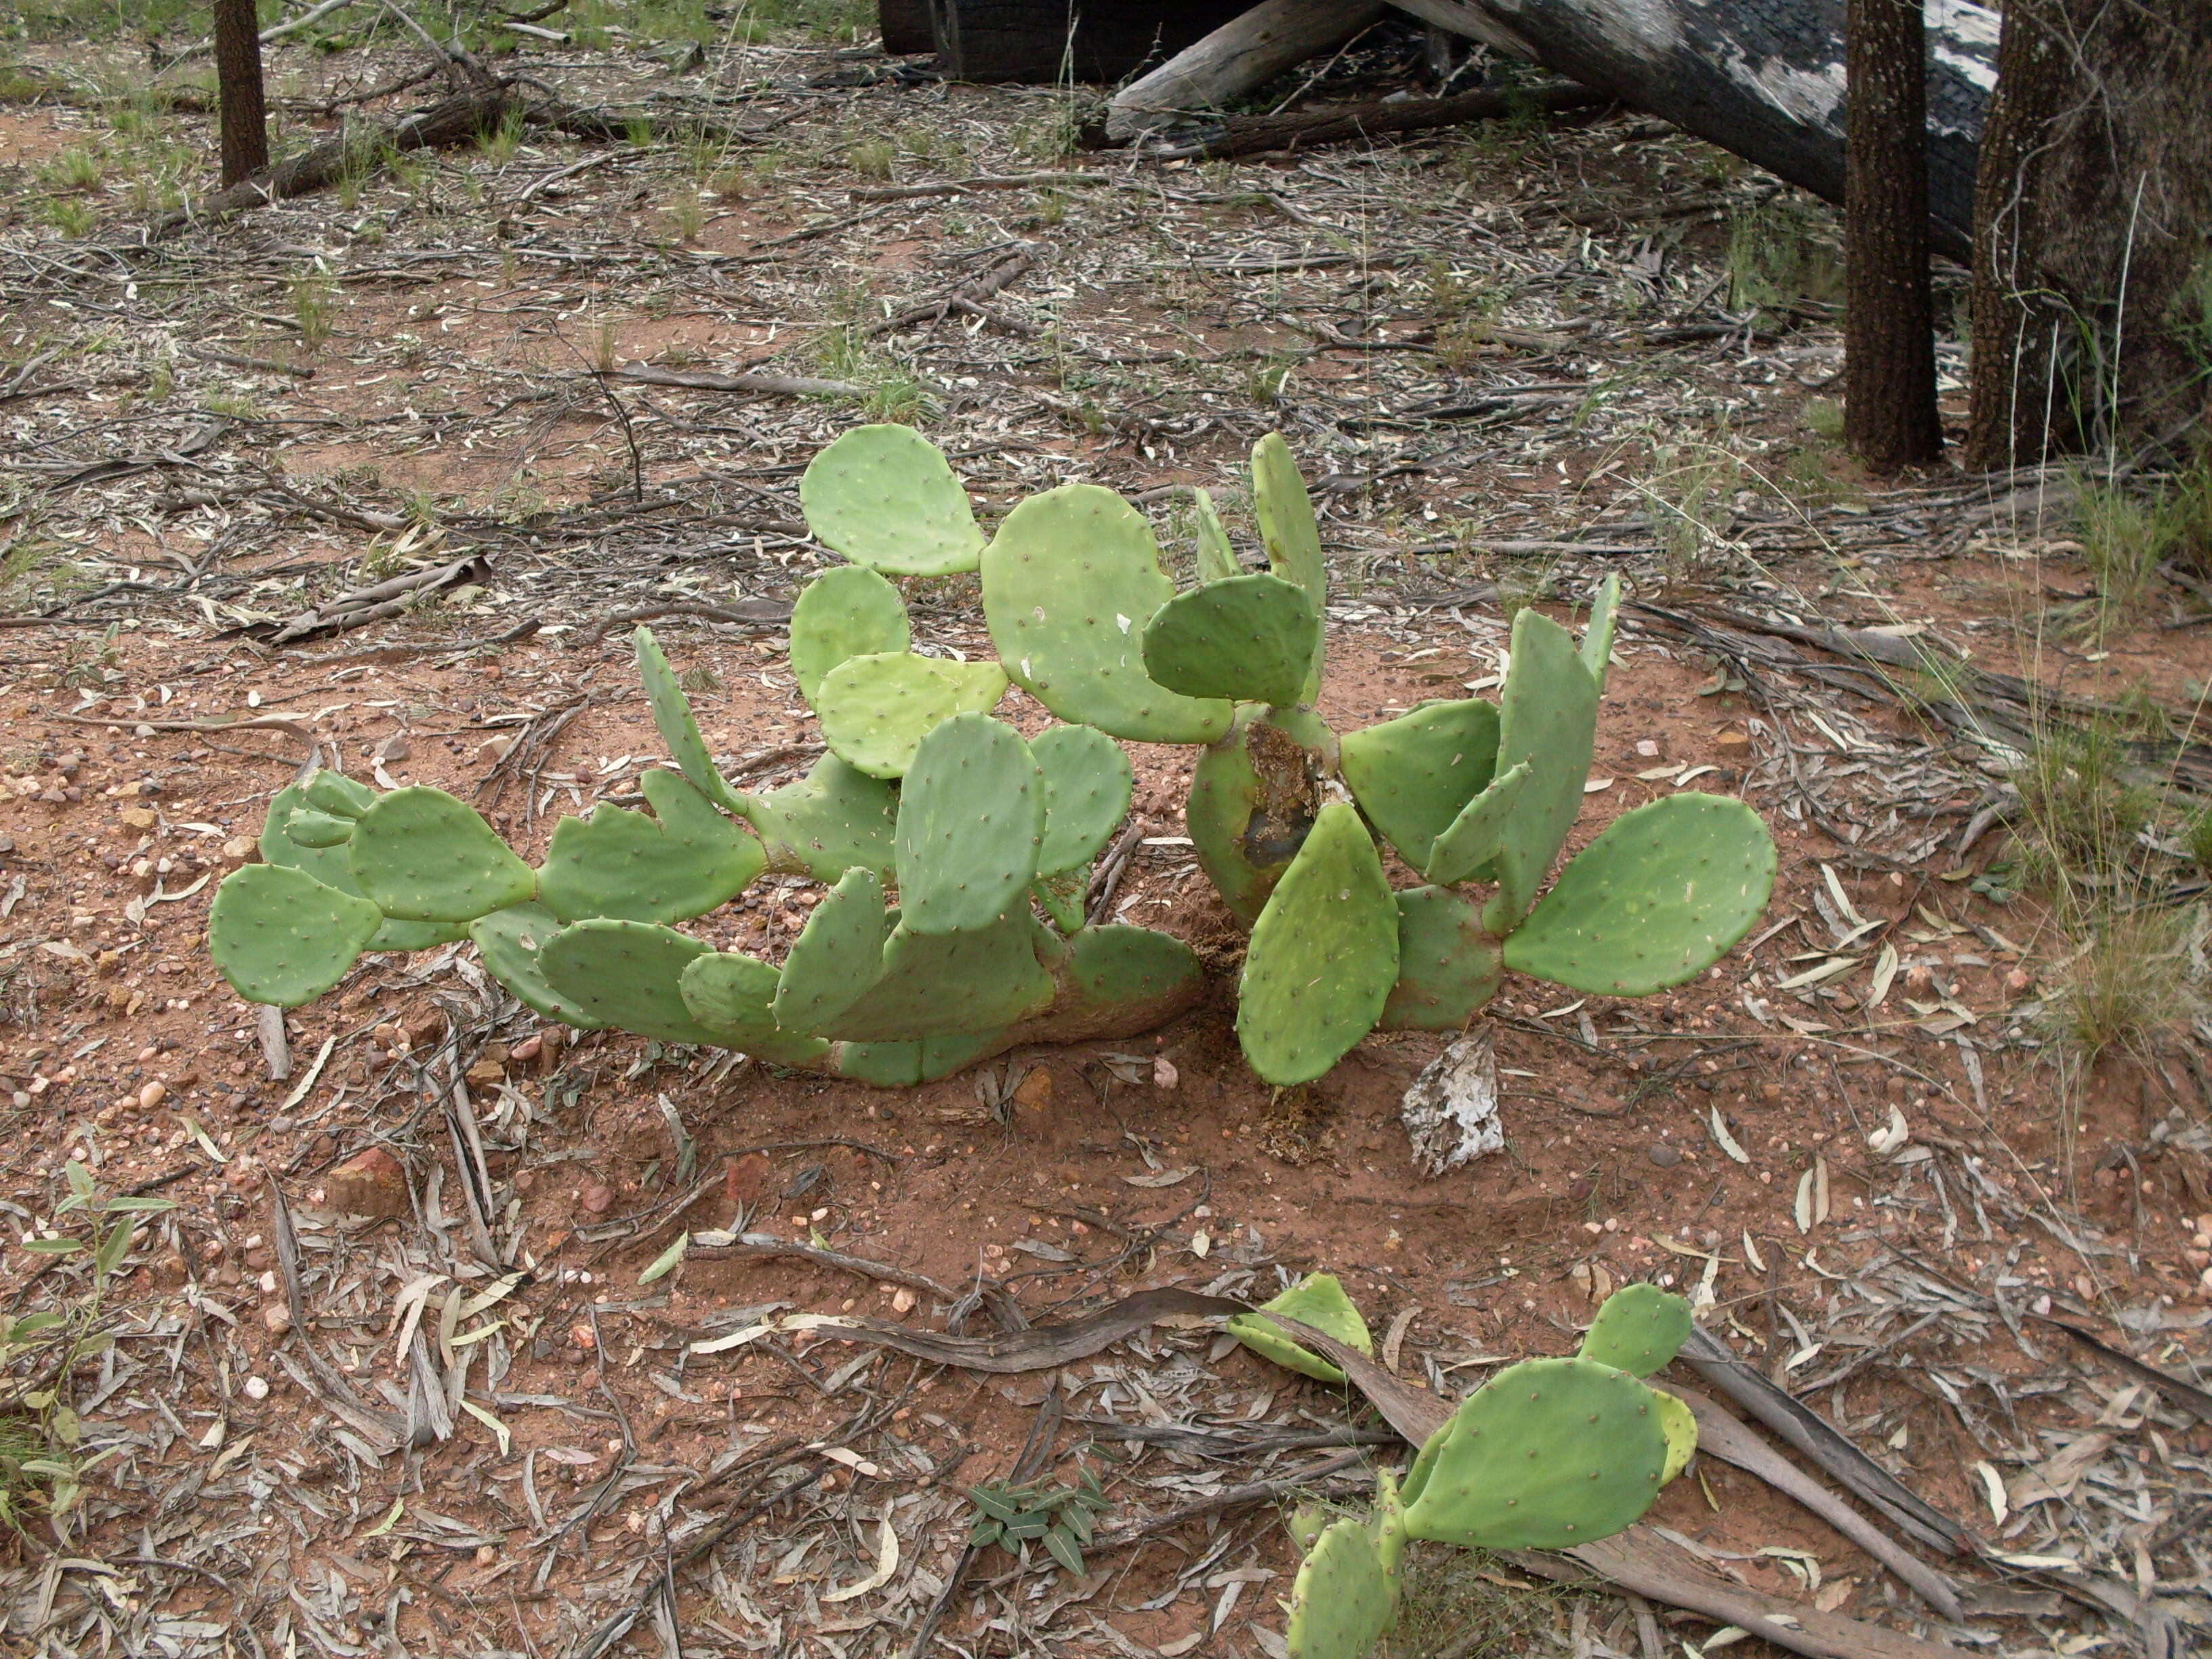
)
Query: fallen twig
[{"x": 1254, "y": 134}]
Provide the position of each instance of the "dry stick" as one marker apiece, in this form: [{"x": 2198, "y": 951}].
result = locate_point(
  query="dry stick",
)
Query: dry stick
[
  {"x": 961, "y": 186},
  {"x": 768, "y": 1245},
  {"x": 1254, "y": 135},
  {"x": 786, "y": 385},
  {"x": 967, "y": 297},
  {"x": 757, "y": 613}
]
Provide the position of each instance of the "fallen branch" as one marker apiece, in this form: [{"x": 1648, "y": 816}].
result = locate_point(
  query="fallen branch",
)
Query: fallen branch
[
  {"x": 969, "y": 298},
  {"x": 363, "y": 606},
  {"x": 783, "y": 385},
  {"x": 963, "y": 186},
  {"x": 1254, "y": 134},
  {"x": 1247, "y": 51},
  {"x": 754, "y": 612}
]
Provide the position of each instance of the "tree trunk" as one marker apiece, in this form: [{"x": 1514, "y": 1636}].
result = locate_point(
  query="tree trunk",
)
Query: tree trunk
[
  {"x": 1763, "y": 78},
  {"x": 2015, "y": 321},
  {"x": 238, "y": 81},
  {"x": 906, "y": 27},
  {"x": 1052, "y": 41},
  {"x": 1245, "y": 52},
  {"x": 1889, "y": 317}
]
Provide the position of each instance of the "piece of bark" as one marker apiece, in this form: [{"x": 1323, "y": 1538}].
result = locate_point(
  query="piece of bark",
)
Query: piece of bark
[
  {"x": 906, "y": 27},
  {"x": 1247, "y": 51},
  {"x": 1050, "y": 41}
]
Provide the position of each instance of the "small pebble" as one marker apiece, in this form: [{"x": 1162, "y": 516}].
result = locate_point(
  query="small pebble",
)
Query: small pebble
[
  {"x": 1664, "y": 1156},
  {"x": 257, "y": 1387},
  {"x": 598, "y": 1198}
]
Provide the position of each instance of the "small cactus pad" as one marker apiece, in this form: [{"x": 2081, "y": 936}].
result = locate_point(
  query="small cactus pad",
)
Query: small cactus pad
[
  {"x": 309, "y": 828},
  {"x": 1341, "y": 1601},
  {"x": 1069, "y": 583},
  {"x": 679, "y": 730},
  {"x": 886, "y": 497},
  {"x": 628, "y": 974},
  {"x": 733, "y": 996},
  {"x": 1473, "y": 839},
  {"x": 833, "y": 819},
  {"x": 1119, "y": 978},
  {"x": 1061, "y": 897},
  {"x": 1548, "y": 718},
  {"x": 1413, "y": 774},
  {"x": 1448, "y": 967},
  {"x": 1217, "y": 559},
  {"x": 508, "y": 941},
  {"x": 334, "y": 792},
  {"x": 837, "y": 957},
  {"x": 1292, "y": 535},
  {"x": 848, "y": 610},
  {"x": 1251, "y": 802},
  {"x": 970, "y": 818},
  {"x": 876, "y": 709},
  {"x": 1597, "y": 634},
  {"x": 280, "y": 937},
  {"x": 1548, "y": 1454},
  {"x": 1248, "y": 638},
  {"x": 1680, "y": 1424},
  {"x": 1317, "y": 1300},
  {"x": 1663, "y": 893},
  {"x": 332, "y": 865},
  {"x": 683, "y": 861},
  {"x": 902, "y": 1065},
  {"x": 1639, "y": 1330},
  {"x": 423, "y": 855},
  {"x": 1087, "y": 786},
  {"x": 1323, "y": 956},
  {"x": 948, "y": 985}
]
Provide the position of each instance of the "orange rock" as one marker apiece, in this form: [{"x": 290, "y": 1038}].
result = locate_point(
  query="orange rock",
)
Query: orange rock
[
  {"x": 1035, "y": 1090},
  {"x": 746, "y": 1180},
  {"x": 371, "y": 1183}
]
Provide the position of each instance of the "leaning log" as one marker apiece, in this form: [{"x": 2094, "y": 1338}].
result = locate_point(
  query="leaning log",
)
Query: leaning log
[
  {"x": 906, "y": 27},
  {"x": 1052, "y": 40},
  {"x": 1763, "y": 78},
  {"x": 1246, "y": 52}
]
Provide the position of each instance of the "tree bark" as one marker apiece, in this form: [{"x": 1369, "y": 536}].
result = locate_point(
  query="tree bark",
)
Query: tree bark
[
  {"x": 1245, "y": 52},
  {"x": 238, "y": 82},
  {"x": 1889, "y": 342},
  {"x": 906, "y": 27},
  {"x": 2013, "y": 315},
  {"x": 1050, "y": 41}
]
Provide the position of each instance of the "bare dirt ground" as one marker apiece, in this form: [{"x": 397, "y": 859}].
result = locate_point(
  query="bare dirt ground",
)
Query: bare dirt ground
[{"x": 1512, "y": 360}]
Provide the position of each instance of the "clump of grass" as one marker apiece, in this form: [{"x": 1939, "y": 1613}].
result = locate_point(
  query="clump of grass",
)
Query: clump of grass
[
  {"x": 1781, "y": 257},
  {"x": 77, "y": 169},
  {"x": 2082, "y": 808},
  {"x": 2132, "y": 984},
  {"x": 314, "y": 308},
  {"x": 872, "y": 158},
  {"x": 501, "y": 144},
  {"x": 1824, "y": 418},
  {"x": 1451, "y": 1594},
  {"x": 2125, "y": 536},
  {"x": 688, "y": 215},
  {"x": 1685, "y": 497},
  {"x": 72, "y": 215}
]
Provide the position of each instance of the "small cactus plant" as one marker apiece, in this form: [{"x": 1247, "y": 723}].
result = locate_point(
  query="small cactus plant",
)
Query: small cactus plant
[
  {"x": 988, "y": 838},
  {"x": 1548, "y": 1454}
]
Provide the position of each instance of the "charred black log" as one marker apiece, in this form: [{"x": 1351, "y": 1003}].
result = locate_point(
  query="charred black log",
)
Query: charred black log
[
  {"x": 1049, "y": 40},
  {"x": 906, "y": 26}
]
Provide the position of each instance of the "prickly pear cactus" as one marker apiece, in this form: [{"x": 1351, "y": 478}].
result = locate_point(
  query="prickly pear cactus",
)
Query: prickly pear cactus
[
  {"x": 678, "y": 726},
  {"x": 1087, "y": 786},
  {"x": 1639, "y": 1330},
  {"x": 424, "y": 856},
  {"x": 876, "y": 709},
  {"x": 971, "y": 816},
  {"x": 1317, "y": 1300},
  {"x": 847, "y": 611},
  {"x": 280, "y": 936},
  {"x": 684, "y": 860},
  {"x": 1342, "y": 1601},
  {"x": 1248, "y": 638},
  {"x": 1413, "y": 775},
  {"x": 883, "y": 496},
  {"x": 1549, "y": 720}
]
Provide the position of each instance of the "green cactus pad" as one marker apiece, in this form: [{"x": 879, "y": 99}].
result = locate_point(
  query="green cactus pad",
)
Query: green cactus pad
[
  {"x": 847, "y": 611},
  {"x": 1473, "y": 839},
  {"x": 1663, "y": 893},
  {"x": 672, "y": 714},
  {"x": 508, "y": 941},
  {"x": 334, "y": 792},
  {"x": 1251, "y": 802},
  {"x": 628, "y": 974},
  {"x": 1292, "y": 535},
  {"x": 876, "y": 709},
  {"x": 1680, "y": 1425},
  {"x": 422, "y": 855},
  {"x": 1061, "y": 897},
  {"x": 309, "y": 828},
  {"x": 902, "y": 1065},
  {"x": 683, "y": 861},
  {"x": 970, "y": 818},
  {"x": 1342, "y": 1600},
  {"x": 1069, "y": 584},
  {"x": 1411, "y": 776},
  {"x": 838, "y": 956},
  {"x": 1116, "y": 979},
  {"x": 1323, "y": 956},
  {"x": 835, "y": 818},
  {"x": 1248, "y": 638},
  {"x": 1597, "y": 634},
  {"x": 1317, "y": 1300},
  {"x": 884, "y": 496},
  {"x": 1087, "y": 786},
  {"x": 280, "y": 937},
  {"x": 1549, "y": 719},
  {"x": 936, "y": 984},
  {"x": 1549, "y": 1454},
  {"x": 333, "y": 866},
  {"x": 1217, "y": 559},
  {"x": 1639, "y": 1330},
  {"x": 733, "y": 996},
  {"x": 1448, "y": 967}
]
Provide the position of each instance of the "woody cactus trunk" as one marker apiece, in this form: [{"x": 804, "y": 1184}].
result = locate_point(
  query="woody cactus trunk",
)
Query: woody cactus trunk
[{"x": 956, "y": 853}]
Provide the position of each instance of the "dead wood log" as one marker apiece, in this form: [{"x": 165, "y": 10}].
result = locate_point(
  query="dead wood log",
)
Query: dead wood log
[
  {"x": 1763, "y": 78},
  {"x": 1247, "y": 51},
  {"x": 1051, "y": 40},
  {"x": 1254, "y": 134},
  {"x": 906, "y": 27}
]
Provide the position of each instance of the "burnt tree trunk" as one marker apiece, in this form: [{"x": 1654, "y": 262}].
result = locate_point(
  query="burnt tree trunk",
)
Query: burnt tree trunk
[
  {"x": 2015, "y": 321},
  {"x": 1048, "y": 40},
  {"x": 1889, "y": 319},
  {"x": 238, "y": 83},
  {"x": 906, "y": 27}
]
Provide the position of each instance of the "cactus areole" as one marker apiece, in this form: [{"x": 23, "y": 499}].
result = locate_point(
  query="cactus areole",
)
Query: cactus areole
[{"x": 957, "y": 854}]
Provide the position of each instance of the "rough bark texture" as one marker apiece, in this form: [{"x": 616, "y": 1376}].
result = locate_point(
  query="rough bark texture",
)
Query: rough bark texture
[
  {"x": 1889, "y": 341},
  {"x": 1044, "y": 40},
  {"x": 1254, "y": 135},
  {"x": 238, "y": 80},
  {"x": 2015, "y": 322},
  {"x": 906, "y": 27},
  {"x": 1247, "y": 51},
  {"x": 1763, "y": 78}
]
